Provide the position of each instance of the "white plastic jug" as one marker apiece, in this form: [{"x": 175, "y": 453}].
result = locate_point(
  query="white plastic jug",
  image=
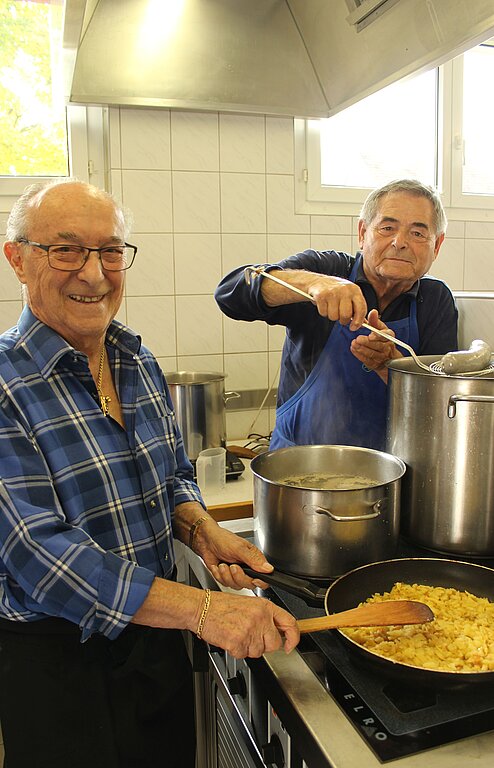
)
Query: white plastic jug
[{"x": 211, "y": 469}]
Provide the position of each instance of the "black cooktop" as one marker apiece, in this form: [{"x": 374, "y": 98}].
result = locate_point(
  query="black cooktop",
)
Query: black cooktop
[{"x": 394, "y": 719}]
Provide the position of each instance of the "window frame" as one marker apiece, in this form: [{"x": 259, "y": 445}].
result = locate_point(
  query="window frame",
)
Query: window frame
[{"x": 312, "y": 197}]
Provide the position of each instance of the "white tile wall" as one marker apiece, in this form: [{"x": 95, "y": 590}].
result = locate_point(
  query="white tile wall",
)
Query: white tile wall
[{"x": 209, "y": 192}]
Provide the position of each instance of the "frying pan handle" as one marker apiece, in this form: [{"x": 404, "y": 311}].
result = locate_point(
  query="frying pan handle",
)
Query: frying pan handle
[
  {"x": 307, "y": 590},
  {"x": 467, "y": 399},
  {"x": 376, "y": 508}
]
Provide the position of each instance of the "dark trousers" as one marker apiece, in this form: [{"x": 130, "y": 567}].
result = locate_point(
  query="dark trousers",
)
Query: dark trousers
[{"x": 126, "y": 703}]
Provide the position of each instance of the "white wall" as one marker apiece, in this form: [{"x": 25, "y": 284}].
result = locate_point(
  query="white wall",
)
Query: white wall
[{"x": 209, "y": 192}]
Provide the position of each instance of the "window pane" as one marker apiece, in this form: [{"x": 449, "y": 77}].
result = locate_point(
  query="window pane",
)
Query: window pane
[
  {"x": 33, "y": 138},
  {"x": 478, "y": 119},
  {"x": 390, "y": 134}
]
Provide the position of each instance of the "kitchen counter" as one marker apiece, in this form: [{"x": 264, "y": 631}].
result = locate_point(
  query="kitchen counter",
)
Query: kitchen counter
[
  {"x": 235, "y": 500},
  {"x": 322, "y": 733}
]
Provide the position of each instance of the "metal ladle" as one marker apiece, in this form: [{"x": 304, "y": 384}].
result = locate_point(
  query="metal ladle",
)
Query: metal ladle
[{"x": 433, "y": 368}]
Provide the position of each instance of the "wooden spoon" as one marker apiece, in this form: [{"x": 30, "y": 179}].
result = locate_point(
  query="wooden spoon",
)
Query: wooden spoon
[{"x": 383, "y": 614}]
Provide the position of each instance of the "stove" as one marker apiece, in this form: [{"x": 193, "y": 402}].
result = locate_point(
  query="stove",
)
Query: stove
[{"x": 394, "y": 720}]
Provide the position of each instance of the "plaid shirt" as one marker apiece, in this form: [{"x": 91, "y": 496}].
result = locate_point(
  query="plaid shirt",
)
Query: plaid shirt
[{"x": 86, "y": 507}]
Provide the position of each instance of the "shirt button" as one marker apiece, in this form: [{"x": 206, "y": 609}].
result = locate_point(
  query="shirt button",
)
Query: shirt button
[
  {"x": 152, "y": 504},
  {"x": 166, "y": 557}
]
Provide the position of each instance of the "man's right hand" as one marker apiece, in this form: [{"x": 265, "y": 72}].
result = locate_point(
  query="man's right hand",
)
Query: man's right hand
[
  {"x": 248, "y": 626},
  {"x": 335, "y": 298}
]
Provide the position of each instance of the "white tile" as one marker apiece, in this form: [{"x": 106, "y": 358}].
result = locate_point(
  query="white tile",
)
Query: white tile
[
  {"x": 243, "y": 202},
  {"x": 247, "y": 371},
  {"x": 279, "y": 145},
  {"x": 276, "y": 337},
  {"x": 449, "y": 264},
  {"x": 115, "y": 178},
  {"x": 274, "y": 360},
  {"x": 152, "y": 271},
  {"x": 479, "y": 265},
  {"x": 121, "y": 315},
  {"x": 153, "y": 318},
  {"x": 240, "y": 423},
  {"x": 331, "y": 225},
  {"x": 167, "y": 364},
  {"x": 10, "y": 287},
  {"x": 114, "y": 138},
  {"x": 196, "y": 202},
  {"x": 242, "y": 143},
  {"x": 322, "y": 242},
  {"x": 455, "y": 229},
  {"x": 281, "y": 246},
  {"x": 479, "y": 229},
  {"x": 148, "y": 195},
  {"x": 238, "y": 250},
  {"x": 207, "y": 363},
  {"x": 241, "y": 336},
  {"x": 197, "y": 263},
  {"x": 281, "y": 207},
  {"x": 145, "y": 138},
  {"x": 195, "y": 141},
  {"x": 9, "y": 314},
  {"x": 199, "y": 327}
]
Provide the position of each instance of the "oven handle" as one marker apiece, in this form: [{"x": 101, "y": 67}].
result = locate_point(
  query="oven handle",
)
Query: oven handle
[{"x": 231, "y": 704}]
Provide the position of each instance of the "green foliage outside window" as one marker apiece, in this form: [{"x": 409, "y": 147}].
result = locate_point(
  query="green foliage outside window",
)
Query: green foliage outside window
[{"x": 33, "y": 140}]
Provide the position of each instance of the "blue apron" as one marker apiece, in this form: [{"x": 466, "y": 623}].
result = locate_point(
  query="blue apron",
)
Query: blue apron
[{"x": 341, "y": 402}]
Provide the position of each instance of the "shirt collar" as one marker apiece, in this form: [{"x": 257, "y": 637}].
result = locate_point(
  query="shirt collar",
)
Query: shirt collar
[
  {"x": 361, "y": 278},
  {"x": 47, "y": 347}
]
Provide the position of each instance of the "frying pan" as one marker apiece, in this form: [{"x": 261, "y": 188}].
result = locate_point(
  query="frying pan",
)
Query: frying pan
[{"x": 357, "y": 585}]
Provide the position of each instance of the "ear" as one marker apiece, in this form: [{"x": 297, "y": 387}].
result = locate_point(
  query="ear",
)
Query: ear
[
  {"x": 362, "y": 229},
  {"x": 437, "y": 245},
  {"x": 13, "y": 254}
]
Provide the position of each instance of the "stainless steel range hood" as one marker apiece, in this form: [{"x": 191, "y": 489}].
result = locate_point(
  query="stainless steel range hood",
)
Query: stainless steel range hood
[{"x": 306, "y": 58}]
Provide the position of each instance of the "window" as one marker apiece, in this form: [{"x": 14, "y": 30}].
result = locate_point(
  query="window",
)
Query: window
[
  {"x": 32, "y": 115},
  {"x": 41, "y": 137},
  {"x": 436, "y": 127}
]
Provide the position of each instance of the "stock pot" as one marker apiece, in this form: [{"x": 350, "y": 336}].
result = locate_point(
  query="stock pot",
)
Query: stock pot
[
  {"x": 442, "y": 427},
  {"x": 199, "y": 399},
  {"x": 320, "y": 534}
]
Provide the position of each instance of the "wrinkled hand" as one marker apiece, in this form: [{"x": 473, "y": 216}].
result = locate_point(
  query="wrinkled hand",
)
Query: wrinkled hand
[
  {"x": 248, "y": 626},
  {"x": 374, "y": 351},
  {"x": 339, "y": 299},
  {"x": 222, "y": 551}
]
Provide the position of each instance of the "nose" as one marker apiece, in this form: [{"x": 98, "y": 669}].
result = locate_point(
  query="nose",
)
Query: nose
[
  {"x": 93, "y": 268},
  {"x": 400, "y": 240}
]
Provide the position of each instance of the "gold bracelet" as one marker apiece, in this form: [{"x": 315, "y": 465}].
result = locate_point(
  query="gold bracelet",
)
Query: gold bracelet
[
  {"x": 204, "y": 613},
  {"x": 193, "y": 529}
]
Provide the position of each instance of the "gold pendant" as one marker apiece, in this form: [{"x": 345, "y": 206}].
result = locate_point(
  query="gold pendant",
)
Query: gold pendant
[{"x": 104, "y": 401}]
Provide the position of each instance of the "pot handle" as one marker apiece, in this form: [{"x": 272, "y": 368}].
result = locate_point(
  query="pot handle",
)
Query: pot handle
[
  {"x": 230, "y": 396},
  {"x": 376, "y": 507},
  {"x": 468, "y": 399}
]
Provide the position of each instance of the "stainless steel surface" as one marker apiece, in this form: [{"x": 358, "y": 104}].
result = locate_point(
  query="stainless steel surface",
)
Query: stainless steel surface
[
  {"x": 325, "y": 724},
  {"x": 443, "y": 429},
  {"x": 199, "y": 400},
  {"x": 286, "y": 57},
  {"x": 322, "y": 533}
]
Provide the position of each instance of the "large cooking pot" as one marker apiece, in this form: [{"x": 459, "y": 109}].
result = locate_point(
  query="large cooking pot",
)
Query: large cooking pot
[
  {"x": 361, "y": 583},
  {"x": 321, "y": 534},
  {"x": 199, "y": 400},
  {"x": 443, "y": 429}
]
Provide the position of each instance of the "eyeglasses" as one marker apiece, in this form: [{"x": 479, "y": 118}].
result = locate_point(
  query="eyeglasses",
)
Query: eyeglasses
[{"x": 72, "y": 258}]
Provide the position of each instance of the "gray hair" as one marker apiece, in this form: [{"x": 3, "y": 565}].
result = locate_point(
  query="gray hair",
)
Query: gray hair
[
  {"x": 411, "y": 187},
  {"x": 18, "y": 220}
]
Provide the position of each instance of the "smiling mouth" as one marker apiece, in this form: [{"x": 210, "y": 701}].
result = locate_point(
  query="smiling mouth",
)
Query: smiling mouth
[{"x": 86, "y": 299}]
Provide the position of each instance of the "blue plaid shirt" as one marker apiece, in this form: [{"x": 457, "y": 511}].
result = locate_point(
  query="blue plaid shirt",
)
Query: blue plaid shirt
[{"x": 86, "y": 507}]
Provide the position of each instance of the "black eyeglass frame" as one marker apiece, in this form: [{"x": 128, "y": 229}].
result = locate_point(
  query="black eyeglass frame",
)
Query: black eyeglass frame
[{"x": 85, "y": 258}]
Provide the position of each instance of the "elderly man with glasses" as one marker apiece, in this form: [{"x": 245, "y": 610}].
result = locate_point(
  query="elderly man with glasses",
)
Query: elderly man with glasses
[{"x": 95, "y": 485}]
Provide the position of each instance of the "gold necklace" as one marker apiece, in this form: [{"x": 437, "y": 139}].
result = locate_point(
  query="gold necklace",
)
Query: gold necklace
[{"x": 104, "y": 399}]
